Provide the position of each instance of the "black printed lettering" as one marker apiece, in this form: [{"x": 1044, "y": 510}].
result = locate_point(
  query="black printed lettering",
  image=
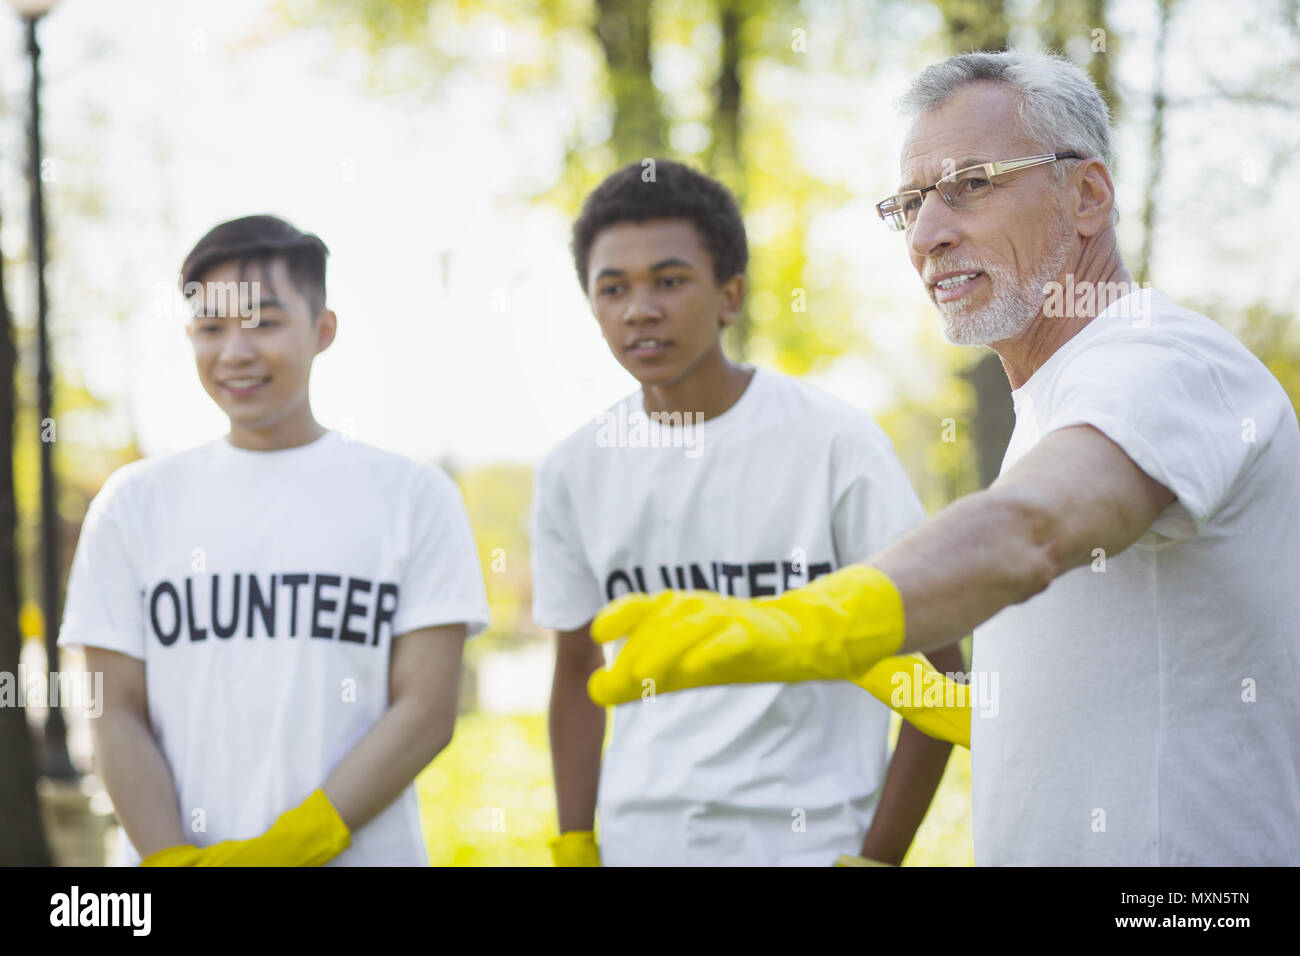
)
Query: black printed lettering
[
  {"x": 166, "y": 587},
  {"x": 258, "y": 602},
  {"x": 223, "y": 630},
  {"x": 351, "y": 609},
  {"x": 731, "y": 572},
  {"x": 384, "y": 614},
  {"x": 757, "y": 589},
  {"x": 294, "y": 581},
  {"x": 614, "y": 576},
  {"x": 196, "y": 633},
  {"x": 319, "y": 604}
]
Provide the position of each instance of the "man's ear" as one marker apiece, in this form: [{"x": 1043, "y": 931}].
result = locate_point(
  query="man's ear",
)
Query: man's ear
[
  {"x": 327, "y": 324},
  {"x": 1094, "y": 198},
  {"x": 733, "y": 297}
]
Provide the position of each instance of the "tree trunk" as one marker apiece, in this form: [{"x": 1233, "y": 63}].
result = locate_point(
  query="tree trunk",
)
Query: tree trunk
[
  {"x": 1157, "y": 149},
  {"x": 22, "y": 837},
  {"x": 623, "y": 29},
  {"x": 725, "y": 151}
]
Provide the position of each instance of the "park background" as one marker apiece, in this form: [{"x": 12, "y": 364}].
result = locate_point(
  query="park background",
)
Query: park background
[{"x": 441, "y": 149}]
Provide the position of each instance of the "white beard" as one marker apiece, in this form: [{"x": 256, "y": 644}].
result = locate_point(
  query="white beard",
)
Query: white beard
[{"x": 1014, "y": 305}]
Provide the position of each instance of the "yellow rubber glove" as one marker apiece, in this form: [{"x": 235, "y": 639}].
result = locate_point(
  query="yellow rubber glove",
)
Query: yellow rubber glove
[
  {"x": 183, "y": 855},
  {"x": 575, "y": 848},
  {"x": 310, "y": 834},
  {"x": 837, "y": 627},
  {"x": 903, "y": 683},
  {"x": 846, "y": 860}
]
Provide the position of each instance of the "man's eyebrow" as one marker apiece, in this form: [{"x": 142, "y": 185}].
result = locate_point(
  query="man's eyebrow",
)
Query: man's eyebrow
[
  {"x": 261, "y": 304},
  {"x": 671, "y": 263},
  {"x": 968, "y": 161}
]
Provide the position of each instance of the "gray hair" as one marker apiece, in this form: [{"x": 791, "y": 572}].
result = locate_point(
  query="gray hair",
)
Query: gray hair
[{"x": 1059, "y": 107}]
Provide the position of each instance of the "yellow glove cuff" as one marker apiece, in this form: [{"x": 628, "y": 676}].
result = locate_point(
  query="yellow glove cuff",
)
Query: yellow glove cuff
[
  {"x": 846, "y": 860},
  {"x": 310, "y": 834},
  {"x": 182, "y": 855},
  {"x": 930, "y": 701},
  {"x": 851, "y": 618},
  {"x": 575, "y": 848}
]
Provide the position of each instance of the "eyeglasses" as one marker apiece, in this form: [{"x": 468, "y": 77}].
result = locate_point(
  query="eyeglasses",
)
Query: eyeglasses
[{"x": 960, "y": 190}]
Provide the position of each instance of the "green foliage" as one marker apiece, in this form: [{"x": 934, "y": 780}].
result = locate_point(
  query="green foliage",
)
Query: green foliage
[
  {"x": 1273, "y": 336},
  {"x": 497, "y": 499}
]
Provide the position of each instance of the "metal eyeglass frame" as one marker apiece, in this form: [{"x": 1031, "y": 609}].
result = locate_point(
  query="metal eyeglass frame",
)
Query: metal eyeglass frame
[{"x": 893, "y": 210}]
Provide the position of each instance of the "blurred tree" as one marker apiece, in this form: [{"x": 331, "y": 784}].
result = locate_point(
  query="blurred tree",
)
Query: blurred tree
[
  {"x": 1155, "y": 172},
  {"x": 22, "y": 836},
  {"x": 795, "y": 321},
  {"x": 623, "y": 29}
]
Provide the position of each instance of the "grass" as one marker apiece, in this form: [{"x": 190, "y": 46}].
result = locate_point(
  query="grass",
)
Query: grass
[{"x": 488, "y": 800}]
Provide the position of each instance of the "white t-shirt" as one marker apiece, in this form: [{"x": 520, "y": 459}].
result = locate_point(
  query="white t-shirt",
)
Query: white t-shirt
[
  {"x": 1149, "y": 714},
  {"x": 315, "y": 558},
  {"x": 787, "y": 484}
]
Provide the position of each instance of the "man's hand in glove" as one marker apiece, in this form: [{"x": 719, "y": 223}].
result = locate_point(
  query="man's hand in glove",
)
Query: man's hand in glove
[
  {"x": 310, "y": 834},
  {"x": 837, "y": 627}
]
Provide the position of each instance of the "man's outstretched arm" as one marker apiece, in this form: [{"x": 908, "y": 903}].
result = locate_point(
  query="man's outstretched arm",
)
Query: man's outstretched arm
[{"x": 1074, "y": 492}]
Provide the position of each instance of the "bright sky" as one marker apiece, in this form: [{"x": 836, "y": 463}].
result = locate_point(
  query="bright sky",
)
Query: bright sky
[{"x": 176, "y": 116}]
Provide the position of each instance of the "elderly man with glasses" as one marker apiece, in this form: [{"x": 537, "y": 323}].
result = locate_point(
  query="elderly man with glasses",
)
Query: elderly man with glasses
[{"x": 1131, "y": 575}]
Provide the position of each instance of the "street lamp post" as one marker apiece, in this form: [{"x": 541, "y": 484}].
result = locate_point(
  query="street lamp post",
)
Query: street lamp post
[{"x": 57, "y": 763}]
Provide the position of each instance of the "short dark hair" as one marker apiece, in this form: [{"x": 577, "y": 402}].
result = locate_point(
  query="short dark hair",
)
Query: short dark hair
[
  {"x": 675, "y": 192},
  {"x": 261, "y": 239}
]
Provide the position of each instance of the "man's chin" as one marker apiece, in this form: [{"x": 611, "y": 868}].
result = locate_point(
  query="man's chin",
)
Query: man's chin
[
  {"x": 978, "y": 328},
  {"x": 964, "y": 329}
]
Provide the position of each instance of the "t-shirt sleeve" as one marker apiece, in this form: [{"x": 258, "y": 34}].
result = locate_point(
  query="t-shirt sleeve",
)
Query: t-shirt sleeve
[
  {"x": 1169, "y": 410},
  {"x": 441, "y": 579},
  {"x": 566, "y": 593},
  {"x": 877, "y": 503},
  {"x": 104, "y": 605}
]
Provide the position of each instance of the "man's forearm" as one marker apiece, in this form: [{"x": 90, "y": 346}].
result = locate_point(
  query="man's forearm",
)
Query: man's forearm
[
  {"x": 577, "y": 731},
  {"x": 384, "y": 762},
  {"x": 972, "y": 559},
  {"x": 914, "y": 774},
  {"x": 138, "y": 781}
]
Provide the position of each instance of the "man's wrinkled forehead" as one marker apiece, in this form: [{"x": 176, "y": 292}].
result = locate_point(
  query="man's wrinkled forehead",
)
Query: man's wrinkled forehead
[{"x": 976, "y": 124}]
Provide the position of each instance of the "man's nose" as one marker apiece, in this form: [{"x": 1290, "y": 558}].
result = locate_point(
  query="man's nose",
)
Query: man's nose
[
  {"x": 238, "y": 346},
  {"x": 641, "y": 307},
  {"x": 935, "y": 228}
]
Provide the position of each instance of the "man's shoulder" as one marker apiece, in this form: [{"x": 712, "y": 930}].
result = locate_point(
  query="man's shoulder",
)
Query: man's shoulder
[
  {"x": 1148, "y": 335},
  {"x": 145, "y": 478},
  {"x": 384, "y": 468}
]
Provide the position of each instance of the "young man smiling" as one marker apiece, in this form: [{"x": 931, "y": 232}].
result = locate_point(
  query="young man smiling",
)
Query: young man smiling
[
  {"x": 279, "y": 613},
  {"x": 780, "y": 484}
]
